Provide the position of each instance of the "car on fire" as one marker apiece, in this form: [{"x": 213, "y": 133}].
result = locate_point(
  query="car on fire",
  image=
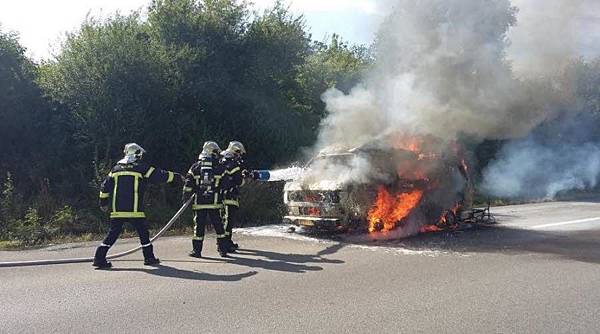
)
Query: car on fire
[{"x": 401, "y": 185}]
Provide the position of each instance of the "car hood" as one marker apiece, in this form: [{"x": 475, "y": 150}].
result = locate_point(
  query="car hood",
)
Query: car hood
[{"x": 324, "y": 185}]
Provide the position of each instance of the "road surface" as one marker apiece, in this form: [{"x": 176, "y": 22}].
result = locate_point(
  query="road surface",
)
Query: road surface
[{"x": 538, "y": 271}]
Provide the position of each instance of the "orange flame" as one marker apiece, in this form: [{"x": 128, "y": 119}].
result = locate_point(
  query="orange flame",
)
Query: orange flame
[
  {"x": 314, "y": 211},
  {"x": 444, "y": 221},
  {"x": 412, "y": 144},
  {"x": 429, "y": 229},
  {"x": 389, "y": 210}
]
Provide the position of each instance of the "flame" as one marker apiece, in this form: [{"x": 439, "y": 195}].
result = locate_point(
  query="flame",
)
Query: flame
[
  {"x": 429, "y": 229},
  {"x": 314, "y": 211},
  {"x": 443, "y": 221},
  {"x": 389, "y": 210},
  {"x": 412, "y": 144}
]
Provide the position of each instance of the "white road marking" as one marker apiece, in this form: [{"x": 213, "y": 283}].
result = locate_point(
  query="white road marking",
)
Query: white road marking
[{"x": 570, "y": 222}]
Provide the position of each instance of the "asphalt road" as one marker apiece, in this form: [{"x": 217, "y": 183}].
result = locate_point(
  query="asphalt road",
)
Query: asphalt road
[{"x": 538, "y": 271}]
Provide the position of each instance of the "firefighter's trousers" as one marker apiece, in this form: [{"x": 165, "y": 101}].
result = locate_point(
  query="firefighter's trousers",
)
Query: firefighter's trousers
[
  {"x": 230, "y": 219},
  {"x": 116, "y": 226},
  {"x": 201, "y": 219}
]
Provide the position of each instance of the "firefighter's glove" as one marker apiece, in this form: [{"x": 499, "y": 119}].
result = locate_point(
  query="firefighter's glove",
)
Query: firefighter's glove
[{"x": 104, "y": 208}]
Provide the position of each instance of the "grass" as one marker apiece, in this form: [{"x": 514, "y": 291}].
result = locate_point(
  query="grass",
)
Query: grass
[
  {"x": 16, "y": 245},
  {"x": 11, "y": 245}
]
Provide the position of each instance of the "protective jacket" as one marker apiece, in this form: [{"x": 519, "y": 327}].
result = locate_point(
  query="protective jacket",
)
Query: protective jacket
[
  {"x": 204, "y": 180},
  {"x": 234, "y": 177},
  {"x": 124, "y": 187}
]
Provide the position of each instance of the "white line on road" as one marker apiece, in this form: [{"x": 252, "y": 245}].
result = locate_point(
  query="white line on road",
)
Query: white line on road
[{"x": 570, "y": 222}]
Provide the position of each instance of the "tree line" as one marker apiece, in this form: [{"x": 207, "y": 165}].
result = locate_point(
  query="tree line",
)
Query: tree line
[{"x": 186, "y": 72}]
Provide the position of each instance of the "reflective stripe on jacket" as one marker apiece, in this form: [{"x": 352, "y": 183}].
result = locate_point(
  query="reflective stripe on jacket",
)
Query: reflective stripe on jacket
[
  {"x": 233, "y": 179},
  {"x": 124, "y": 187}
]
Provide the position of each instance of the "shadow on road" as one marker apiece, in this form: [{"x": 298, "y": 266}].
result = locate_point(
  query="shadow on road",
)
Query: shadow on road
[
  {"x": 293, "y": 263},
  {"x": 171, "y": 272}
]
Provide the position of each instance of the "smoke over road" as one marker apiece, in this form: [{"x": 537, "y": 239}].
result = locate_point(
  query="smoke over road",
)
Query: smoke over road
[
  {"x": 529, "y": 169},
  {"x": 447, "y": 68}
]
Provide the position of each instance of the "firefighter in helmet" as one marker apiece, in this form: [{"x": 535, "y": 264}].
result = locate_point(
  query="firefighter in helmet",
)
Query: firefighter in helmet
[
  {"x": 236, "y": 173},
  {"x": 204, "y": 180},
  {"x": 122, "y": 193}
]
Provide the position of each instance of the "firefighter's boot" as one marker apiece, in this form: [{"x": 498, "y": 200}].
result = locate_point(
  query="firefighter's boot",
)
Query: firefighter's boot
[
  {"x": 149, "y": 258},
  {"x": 231, "y": 246},
  {"x": 196, "y": 249},
  {"x": 100, "y": 258},
  {"x": 222, "y": 247}
]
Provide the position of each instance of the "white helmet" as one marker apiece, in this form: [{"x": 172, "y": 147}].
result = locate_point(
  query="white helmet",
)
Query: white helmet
[
  {"x": 211, "y": 148},
  {"x": 236, "y": 148},
  {"x": 133, "y": 152}
]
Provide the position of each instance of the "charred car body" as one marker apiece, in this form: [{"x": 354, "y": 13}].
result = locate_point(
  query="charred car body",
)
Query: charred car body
[{"x": 381, "y": 188}]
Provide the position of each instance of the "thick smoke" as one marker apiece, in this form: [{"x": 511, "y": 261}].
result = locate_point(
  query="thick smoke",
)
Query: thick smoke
[
  {"x": 446, "y": 68},
  {"x": 530, "y": 169},
  {"x": 549, "y": 33},
  {"x": 560, "y": 155},
  {"x": 441, "y": 70},
  {"x": 563, "y": 154}
]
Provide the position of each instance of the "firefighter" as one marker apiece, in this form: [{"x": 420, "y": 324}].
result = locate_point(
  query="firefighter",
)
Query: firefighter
[
  {"x": 236, "y": 174},
  {"x": 204, "y": 180},
  {"x": 122, "y": 193}
]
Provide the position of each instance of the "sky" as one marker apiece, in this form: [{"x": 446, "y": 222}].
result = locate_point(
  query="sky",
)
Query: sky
[{"x": 41, "y": 24}]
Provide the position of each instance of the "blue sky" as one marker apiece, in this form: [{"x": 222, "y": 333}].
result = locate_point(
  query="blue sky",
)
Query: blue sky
[{"x": 42, "y": 23}]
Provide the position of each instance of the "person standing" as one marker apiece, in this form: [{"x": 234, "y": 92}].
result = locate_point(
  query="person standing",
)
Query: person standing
[
  {"x": 122, "y": 193},
  {"x": 236, "y": 173},
  {"x": 204, "y": 180}
]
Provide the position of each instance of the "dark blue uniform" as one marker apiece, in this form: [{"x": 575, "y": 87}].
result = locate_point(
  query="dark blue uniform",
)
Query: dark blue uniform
[
  {"x": 123, "y": 193},
  {"x": 204, "y": 180},
  {"x": 233, "y": 179}
]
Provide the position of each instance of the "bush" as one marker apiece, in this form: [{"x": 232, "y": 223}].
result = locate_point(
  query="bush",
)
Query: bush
[
  {"x": 30, "y": 229},
  {"x": 262, "y": 203},
  {"x": 65, "y": 221}
]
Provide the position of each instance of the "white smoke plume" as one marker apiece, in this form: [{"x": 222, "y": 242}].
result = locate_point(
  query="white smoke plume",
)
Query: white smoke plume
[
  {"x": 529, "y": 169},
  {"x": 549, "y": 33},
  {"x": 447, "y": 68},
  {"x": 441, "y": 70}
]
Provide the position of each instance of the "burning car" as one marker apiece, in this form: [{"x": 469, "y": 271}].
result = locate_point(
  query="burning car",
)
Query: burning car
[{"x": 408, "y": 185}]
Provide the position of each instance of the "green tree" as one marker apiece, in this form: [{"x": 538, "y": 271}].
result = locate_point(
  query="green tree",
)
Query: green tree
[
  {"x": 202, "y": 41},
  {"x": 111, "y": 79},
  {"x": 22, "y": 109},
  {"x": 337, "y": 64},
  {"x": 191, "y": 71}
]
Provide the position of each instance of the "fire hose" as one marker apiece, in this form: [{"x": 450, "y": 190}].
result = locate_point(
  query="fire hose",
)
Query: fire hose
[{"x": 110, "y": 257}]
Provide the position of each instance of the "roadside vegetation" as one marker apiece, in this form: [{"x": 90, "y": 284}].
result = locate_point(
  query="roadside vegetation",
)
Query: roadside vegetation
[{"x": 187, "y": 72}]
